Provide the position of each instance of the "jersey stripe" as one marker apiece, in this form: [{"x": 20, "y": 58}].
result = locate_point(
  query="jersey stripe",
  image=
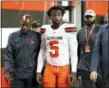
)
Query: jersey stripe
[
  {"x": 71, "y": 29},
  {"x": 42, "y": 30}
]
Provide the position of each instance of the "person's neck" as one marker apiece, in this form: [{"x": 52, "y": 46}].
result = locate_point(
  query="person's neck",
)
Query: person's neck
[
  {"x": 55, "y": 25},
  {"x": 24, "y": 32},
  {"x": 91, "y": 26}
]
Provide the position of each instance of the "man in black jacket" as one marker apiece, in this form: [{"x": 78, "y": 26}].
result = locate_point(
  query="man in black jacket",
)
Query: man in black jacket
[{"x": 21, "y": 55}]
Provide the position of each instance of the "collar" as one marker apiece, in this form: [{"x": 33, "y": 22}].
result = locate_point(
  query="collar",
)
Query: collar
[{"x": 21, "y": 33}]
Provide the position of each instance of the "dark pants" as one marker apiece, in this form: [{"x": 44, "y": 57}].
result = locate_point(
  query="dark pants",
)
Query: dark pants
[
  {"x": 25, "y": 83},
  {"x": 103, "y": 82},
  {"x": 25, "y": 80},
  {"x": 21, "y": 83},
  {"x": 85, "y": 79},
  {"x": 29, "y": 81}
]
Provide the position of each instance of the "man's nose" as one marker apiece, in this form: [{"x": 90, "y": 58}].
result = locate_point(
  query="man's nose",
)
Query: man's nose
[
  {"x": 25, "y": 26},
  {"x": 56, "y": 17}
]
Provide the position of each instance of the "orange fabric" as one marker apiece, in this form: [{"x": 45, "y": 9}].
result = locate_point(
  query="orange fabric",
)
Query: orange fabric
[
  {"x": 4, "y": 84},
  {"x": 26, "y": 5},
  {"x": 100, "y": 8},
  {"x": 56, "y": 76}
]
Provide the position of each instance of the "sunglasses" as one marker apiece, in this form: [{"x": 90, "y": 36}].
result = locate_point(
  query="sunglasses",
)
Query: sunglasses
[{"x": 88, "y": 16}]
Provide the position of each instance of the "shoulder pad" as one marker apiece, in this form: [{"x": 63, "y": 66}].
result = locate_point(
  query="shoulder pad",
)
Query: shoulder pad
[
  {"x": 45, "y": 26},
  {"x": 70, "y": 29},
  {"x": 42, "y": 30}
]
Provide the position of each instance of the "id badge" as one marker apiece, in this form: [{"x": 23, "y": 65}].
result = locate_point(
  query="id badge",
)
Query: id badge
[{"x": 87, "y": 48}]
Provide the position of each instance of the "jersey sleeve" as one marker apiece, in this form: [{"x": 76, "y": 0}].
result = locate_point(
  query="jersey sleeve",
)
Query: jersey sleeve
[
  {"x": 73, "y": 45},
  {"x": 71, "y": 31},
  {"x": 41, "y": 55}
]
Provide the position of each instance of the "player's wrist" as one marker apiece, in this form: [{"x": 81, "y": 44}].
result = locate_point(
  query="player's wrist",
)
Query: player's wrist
[
  {"x": 38, "y": 72},
  {"x": 73, "y": 73}
]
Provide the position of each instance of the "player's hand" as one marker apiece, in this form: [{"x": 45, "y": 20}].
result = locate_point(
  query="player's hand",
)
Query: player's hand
[
  {"x": 39, "y": 78},
  {"x": 73, "y": 78},
  {"x": 93, "y": 76},
  {"x": 8, "y": 77}
]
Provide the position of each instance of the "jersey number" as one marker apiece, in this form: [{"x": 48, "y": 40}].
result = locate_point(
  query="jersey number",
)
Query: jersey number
[{"x": 54, "y": 49}]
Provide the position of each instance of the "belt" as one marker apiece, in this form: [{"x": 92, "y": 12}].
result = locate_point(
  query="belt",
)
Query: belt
[{"x": 56, "y": 66}]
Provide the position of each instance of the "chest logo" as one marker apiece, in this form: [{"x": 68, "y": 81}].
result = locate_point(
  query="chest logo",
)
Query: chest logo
[{"x": 31, "y": 41}]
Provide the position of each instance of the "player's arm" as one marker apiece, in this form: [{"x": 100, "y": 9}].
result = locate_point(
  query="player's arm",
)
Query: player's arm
[
  {"x": 73, "y": 45},
  {"x": 41, "y": 56}
]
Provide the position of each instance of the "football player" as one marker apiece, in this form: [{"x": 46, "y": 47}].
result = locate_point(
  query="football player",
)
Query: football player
[{"x": 58, "y": 44}]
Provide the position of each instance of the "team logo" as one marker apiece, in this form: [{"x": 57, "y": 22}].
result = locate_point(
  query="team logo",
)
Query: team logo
[{"x": 31, "y": 41}]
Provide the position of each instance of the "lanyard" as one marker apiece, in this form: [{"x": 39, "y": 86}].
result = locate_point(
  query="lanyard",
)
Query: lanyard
[{"x": 86, "y": 34}]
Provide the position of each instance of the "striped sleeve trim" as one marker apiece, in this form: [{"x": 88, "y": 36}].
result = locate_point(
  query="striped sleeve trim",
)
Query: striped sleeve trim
[
  {"x": 71, "y": 29},
  {"x": 43, "y": 30}
]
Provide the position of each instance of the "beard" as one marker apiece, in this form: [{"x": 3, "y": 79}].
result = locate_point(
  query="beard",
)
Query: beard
[
  {"x": 25, "y": 30},
  {"x": 88, "y": 23}
]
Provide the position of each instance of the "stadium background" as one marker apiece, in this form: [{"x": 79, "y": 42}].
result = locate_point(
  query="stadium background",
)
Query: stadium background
[{"x": 11, "y": 11}]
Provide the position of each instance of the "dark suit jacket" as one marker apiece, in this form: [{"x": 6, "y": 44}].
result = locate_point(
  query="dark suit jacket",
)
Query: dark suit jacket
[{"x": 100, "y": 57}]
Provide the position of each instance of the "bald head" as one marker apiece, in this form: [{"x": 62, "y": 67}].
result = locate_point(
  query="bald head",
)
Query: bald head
[
  {"x": 26, "y": 22},
  {"x": 27, "y": 18}
]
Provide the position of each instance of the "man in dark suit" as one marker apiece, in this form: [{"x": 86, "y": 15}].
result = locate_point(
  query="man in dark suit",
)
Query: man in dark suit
[{"x": 100, "y": 58}]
